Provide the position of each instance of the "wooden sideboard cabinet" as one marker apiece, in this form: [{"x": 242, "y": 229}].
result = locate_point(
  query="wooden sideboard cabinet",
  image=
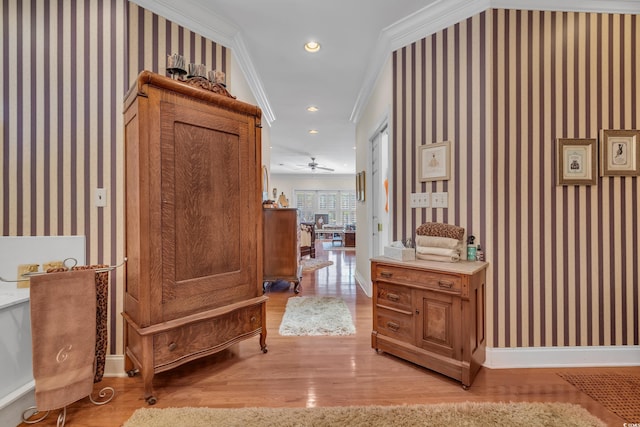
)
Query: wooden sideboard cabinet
[
  {"x": 431, "y": 313},
  {"x": 350, "y": 239},
  {"x": 281, "y": 249},
  {"x": 193, "y": 224}
]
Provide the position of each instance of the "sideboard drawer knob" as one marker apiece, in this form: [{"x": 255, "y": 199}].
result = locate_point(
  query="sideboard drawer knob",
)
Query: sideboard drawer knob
[{"x": 172, "y": 346}]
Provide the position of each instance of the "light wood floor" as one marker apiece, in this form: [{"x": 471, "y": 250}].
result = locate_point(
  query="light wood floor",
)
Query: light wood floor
[{"x": 325, "y": 371}]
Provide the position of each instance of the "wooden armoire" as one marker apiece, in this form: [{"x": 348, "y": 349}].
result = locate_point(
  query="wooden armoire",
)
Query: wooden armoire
[{"x": 193, "y": 224}]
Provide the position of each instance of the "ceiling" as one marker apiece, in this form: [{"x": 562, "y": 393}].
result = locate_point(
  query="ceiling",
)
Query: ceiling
[{"x": 356, "y": 37}]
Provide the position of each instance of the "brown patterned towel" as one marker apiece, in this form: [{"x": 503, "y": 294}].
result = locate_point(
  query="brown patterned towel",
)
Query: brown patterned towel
[
  {"x": 441, "y": 230},
  {"x": 102, "y": 296},
  {"x": 63, "y": 336}
]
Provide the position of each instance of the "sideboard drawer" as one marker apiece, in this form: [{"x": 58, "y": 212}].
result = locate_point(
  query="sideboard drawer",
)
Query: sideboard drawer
[
  {"x": 394, "y": 296},
  {"x": 433, "y": 280},
  {"x": 395, "y": 325}
]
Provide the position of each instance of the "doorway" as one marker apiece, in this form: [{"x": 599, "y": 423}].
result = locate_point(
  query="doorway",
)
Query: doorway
[{"x": 380, "y": 196}]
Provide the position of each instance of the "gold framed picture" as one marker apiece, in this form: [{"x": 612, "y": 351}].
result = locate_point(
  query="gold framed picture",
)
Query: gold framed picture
[
  {"x": 434, "y": 161},
  {"x": 576, "y": 161},
  {"x": 619, "y": 152}
]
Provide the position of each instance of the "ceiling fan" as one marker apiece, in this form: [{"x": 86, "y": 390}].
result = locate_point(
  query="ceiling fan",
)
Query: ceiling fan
[{"x": 313, "y": 165}]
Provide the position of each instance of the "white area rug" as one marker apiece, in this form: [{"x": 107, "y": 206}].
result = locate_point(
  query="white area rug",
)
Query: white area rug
[
  {"x": 313, "y": 264},
  {"x": 316, "y": 316}
]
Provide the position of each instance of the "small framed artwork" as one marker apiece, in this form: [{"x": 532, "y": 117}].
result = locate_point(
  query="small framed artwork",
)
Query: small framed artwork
[
  {"x": 321, "y": 220},
  {"x": 619, "y": 152},
  {"x": 434, "y": 161},
  {"x": 576, "y": 161}
]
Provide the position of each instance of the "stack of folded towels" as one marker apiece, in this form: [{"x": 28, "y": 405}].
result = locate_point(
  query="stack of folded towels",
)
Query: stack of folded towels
[{"x": 437, "y": 241}]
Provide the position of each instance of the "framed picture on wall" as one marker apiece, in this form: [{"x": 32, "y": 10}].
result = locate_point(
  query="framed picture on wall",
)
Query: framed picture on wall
[
  {"x": 619, "y": 152},
  {"x": 434, "y": 161},
  {"x": 321, "y": 220},
  {"x": 576, "y": 161}
]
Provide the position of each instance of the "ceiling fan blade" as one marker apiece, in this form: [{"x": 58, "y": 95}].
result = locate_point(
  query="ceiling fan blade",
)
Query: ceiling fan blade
[{"x": 323, "y": 168}]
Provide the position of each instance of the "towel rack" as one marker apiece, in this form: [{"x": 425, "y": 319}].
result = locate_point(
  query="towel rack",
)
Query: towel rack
[
  {"x": 32, "y": 415},
  {"x": 68, "y": 263}
]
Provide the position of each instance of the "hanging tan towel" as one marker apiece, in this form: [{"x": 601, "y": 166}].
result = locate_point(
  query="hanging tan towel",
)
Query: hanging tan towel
[
  {"x": 63, "y": 336},
  {"x": 102, "y": 297}
]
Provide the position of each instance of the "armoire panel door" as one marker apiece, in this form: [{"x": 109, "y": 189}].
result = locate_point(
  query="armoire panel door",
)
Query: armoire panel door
[
  {"x": 439, "y": 318},
  {"x": 206, "y": 224}
]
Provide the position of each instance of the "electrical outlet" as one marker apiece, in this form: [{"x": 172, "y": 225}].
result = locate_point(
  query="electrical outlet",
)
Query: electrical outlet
[
  {"x": 101, "y": 197},
  {"x": 439, "y": 200}
]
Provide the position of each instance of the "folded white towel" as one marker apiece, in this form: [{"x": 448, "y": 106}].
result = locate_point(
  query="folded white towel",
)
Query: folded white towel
[
  {"x": 437, "y": 242},
  {"x": 443, "y": 258},
  {"x": 428, "y": 250}
]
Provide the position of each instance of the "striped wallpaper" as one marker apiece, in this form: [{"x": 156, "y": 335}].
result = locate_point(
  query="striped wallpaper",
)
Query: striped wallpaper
[
  {"x": 66, "y": 66},
  {"x": 502, "y": 86}
]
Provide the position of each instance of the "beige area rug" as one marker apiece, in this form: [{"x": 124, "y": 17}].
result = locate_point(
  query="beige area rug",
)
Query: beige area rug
[
  {"x": 618, "y": 393},
  {"x": 313, "y": 264},
  {"x": 454, "y": 414},
  {"x": 316, "y": 316}
]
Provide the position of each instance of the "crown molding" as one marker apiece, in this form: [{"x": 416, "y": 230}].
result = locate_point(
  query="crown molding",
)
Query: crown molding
[
  {"x": 432, "y": 18},
  {"x": 243, "y": 59},
  {"x": 442, "y": 14},
  {"x": 436, "y": 16},
  {"x": 593, "y": 6},
  {"x": 190, "y": 14}
]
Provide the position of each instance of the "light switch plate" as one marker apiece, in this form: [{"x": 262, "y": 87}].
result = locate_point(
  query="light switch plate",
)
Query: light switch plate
[
  {"x": 419, "y": 200},
  {"x": 439, "y": 200}
]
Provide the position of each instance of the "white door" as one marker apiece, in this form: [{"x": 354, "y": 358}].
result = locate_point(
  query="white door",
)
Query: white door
[{"x": 379, "y": 190}]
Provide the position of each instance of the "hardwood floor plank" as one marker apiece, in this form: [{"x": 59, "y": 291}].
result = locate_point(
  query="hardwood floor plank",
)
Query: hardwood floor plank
[{"x": 325, "y": 371}]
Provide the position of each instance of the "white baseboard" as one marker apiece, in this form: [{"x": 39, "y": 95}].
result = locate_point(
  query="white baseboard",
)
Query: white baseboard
[
  {"x": 562, "y": 357},
  {"x": 361, "y": 280},
  {"x": 114, "y": 366},
  {"x": 508, "y": 358}
]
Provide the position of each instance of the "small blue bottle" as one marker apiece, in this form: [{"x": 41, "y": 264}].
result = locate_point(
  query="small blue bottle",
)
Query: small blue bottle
[{"x": 471, "y": 248}]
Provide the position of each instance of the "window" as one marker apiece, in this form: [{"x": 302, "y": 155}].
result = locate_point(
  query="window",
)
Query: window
[{"x": 339, "y": 205}]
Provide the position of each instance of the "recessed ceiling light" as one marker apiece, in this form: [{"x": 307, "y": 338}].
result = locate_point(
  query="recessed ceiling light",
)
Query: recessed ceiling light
[
  {"x": 312, "y": 108},
  {"x": 313, "y": 131},
  {"x": 312, "y": 47}
]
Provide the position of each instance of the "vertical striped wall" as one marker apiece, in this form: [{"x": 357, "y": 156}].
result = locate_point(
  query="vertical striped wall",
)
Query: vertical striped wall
[
  {"x": 502, "y": 86},
  {"x": 66, "y": 66},
  {"x": 152, "y": 38},
  {"x": 62, "y": 86}
]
